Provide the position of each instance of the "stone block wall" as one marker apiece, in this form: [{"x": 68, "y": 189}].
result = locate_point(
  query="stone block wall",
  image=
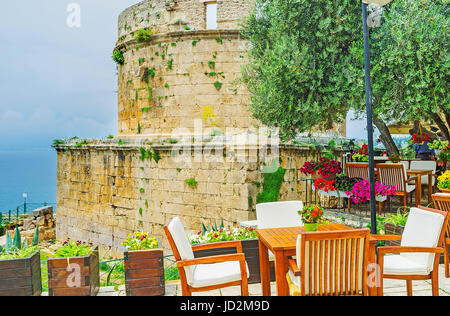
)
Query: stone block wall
[
  {"x": 105, "y": 191},
  {"x": 190, "y": 73}
]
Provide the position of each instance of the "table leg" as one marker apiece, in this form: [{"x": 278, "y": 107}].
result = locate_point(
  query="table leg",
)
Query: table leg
[
  {"x": 418, "y": 190},
  {"x": 264, "y": 269},
  {"x": 281, "y": 268}
]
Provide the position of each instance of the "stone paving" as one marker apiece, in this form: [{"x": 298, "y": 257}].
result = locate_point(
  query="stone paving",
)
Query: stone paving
[{"x": 391, "y": 288}]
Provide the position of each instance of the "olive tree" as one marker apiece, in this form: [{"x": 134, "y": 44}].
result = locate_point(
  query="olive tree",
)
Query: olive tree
[{"x": 301, "y": 72}]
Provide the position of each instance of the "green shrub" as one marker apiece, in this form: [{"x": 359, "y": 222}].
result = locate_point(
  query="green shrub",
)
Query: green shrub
[
  {"x": 118, "y": 57},
  {"x": 142, "y": 35}
]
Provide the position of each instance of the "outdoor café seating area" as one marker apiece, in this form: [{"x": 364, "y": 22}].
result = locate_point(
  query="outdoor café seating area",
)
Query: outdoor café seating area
[{"x": 334, "y": 259}]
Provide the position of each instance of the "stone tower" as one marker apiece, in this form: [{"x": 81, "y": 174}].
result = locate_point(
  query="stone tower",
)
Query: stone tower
[
  {"x": 177, "y": 69},
  {"x": 174, "y": 72}
]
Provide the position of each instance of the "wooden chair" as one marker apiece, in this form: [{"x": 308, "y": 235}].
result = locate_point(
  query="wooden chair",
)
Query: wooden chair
[
  {"x": 442, "y": 202},
  {"x": 208, "y": 273},
  {"x": 395, "y": 175},
  {"x": 330, "y": 263},
  {"x": 417, "y": 257},
  {"x": 279, "y": 214},
  {"x": 357, "y": 170}
]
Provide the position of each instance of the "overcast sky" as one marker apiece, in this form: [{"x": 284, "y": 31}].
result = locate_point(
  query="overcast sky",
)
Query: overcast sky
[{"x": 57, "y": 81}]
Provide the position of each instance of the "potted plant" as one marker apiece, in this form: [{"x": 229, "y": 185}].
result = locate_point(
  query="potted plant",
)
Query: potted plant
[
  {"x": 438, "y": 146},
  {"x": 311, "y": 215},
  {"x": 144, "y": 265},
  {"x": 420, "y": 138},
  {"x": 20, "y": 266},
  {"x": 246, "y": 235},
  {"x": 344, "y": 183},
  {"x": 394, "y": 224},
  {"x": 362, "y": 155},
  {"x": 74, "y": 270},
  {"x": 360, "y": 192},
  {"x": 327, "y": 168},
  {"x": 395, "y": 158},
  {"x": 444, "y": 182}
]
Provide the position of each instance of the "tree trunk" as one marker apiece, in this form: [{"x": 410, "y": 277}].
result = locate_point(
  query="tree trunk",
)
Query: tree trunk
[
  {"x": 442, "y": 126},
  {"x": 386, "y": 137}
]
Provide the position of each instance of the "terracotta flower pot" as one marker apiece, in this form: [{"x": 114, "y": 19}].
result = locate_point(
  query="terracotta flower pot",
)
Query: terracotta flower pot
[{"x": 444, "y": 190}]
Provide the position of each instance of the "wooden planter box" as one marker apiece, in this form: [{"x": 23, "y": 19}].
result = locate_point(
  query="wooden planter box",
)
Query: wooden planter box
[
  {"x": 144, "y": 273},
  {"x": 251, "y": 251},
  {"x": 391, "y": 229},
  {"x": 21, "y": 277},
  {"x": 63, "y": 281}
]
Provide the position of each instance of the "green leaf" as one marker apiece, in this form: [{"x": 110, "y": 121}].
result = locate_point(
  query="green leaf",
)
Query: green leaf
[{"x": 17, "y": 242}]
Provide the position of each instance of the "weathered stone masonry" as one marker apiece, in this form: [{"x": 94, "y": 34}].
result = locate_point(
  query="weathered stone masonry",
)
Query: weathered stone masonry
[{"x": 106, "y": 191}]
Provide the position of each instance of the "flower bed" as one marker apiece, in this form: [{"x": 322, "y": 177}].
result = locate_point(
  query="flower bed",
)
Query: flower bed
[
  {"x": 444, "y": 181},
  {"x": 20, "y": 266},
  {"x": 74, "y": 270},
  {"x": 324, "y": 167},
  {"x": 361, "y": 191},
  {"x": 250, "y": 248}
]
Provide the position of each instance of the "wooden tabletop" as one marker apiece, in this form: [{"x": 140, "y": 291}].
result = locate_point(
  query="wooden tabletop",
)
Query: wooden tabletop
[
  {"x": 419, "y": 171},
  {"x": 286, "y": 238}
]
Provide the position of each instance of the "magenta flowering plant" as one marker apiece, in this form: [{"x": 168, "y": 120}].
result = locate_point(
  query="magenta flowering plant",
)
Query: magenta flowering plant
[
  {"x": 324, "y": 167},
  {"x": 361, "y": 191}
]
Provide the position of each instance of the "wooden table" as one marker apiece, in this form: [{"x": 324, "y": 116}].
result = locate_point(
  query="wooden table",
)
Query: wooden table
[
  {"x": 282, "y": 242},
  {"x": 419, "y": 173}
]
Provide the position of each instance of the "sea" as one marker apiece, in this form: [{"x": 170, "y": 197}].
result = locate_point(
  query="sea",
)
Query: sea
[{"x": 31, "y": 172}]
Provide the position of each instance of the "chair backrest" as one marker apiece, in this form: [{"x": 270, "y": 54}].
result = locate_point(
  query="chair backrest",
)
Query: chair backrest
[
  {"x": 442, "y": 202},
  {"x": 279, "y": 214},
  {"x": 392, "y": 175},
  {"x": 334, "y": 262},
  {"x": 424, "y": 228},
  {"x": 357, "y": 170},
  {"x": 424, "y": 164},
  {"x": 179, "y": 242}
]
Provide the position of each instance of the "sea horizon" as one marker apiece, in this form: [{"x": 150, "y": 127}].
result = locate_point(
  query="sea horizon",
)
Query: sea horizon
[{"x": 30, "y": 171}]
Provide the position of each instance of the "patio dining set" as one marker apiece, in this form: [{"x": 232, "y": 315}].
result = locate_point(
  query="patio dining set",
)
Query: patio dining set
[
  {"x": 335, "y": 260},
  {"x": 407, "y": 176}
]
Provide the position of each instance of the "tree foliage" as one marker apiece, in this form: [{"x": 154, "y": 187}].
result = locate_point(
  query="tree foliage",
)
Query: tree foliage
[
  {"x": 410, "y": 61},
  {"x": 301, "y": 70}
]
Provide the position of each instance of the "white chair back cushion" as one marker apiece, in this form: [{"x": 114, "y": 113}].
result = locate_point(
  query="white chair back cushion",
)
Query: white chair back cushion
[
  {"x": 279, "y": 214},
  {"x": 423, "y": 164},
  {"x": 183, "y": 245},
  {"x": 423, "y": 229}
]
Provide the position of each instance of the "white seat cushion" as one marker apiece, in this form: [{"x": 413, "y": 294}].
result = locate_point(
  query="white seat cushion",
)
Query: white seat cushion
[
  {"x": 422, "y": 229},
  {"x": 410, "y": 188},
  {"x": 399, "y": 265},
  {"x": 217, "y": 273}
]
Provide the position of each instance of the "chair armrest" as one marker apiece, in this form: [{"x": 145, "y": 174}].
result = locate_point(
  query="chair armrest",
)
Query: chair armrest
[
  {"x": 385, "y": 237},
  {"x": 213, "y": 259},
  {"x": 293, "y": 265},
  {"x": 412, "y": 178},
  {"x": 399, "y": 249},
  {"x": 217, "y": 245}
]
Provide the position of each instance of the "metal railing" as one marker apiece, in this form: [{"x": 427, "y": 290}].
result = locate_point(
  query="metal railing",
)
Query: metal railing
[{"x": 14, "y": 214}]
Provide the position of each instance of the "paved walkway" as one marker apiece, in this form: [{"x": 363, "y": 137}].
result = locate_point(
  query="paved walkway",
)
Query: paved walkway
[{"x": 391, "y": 288}]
